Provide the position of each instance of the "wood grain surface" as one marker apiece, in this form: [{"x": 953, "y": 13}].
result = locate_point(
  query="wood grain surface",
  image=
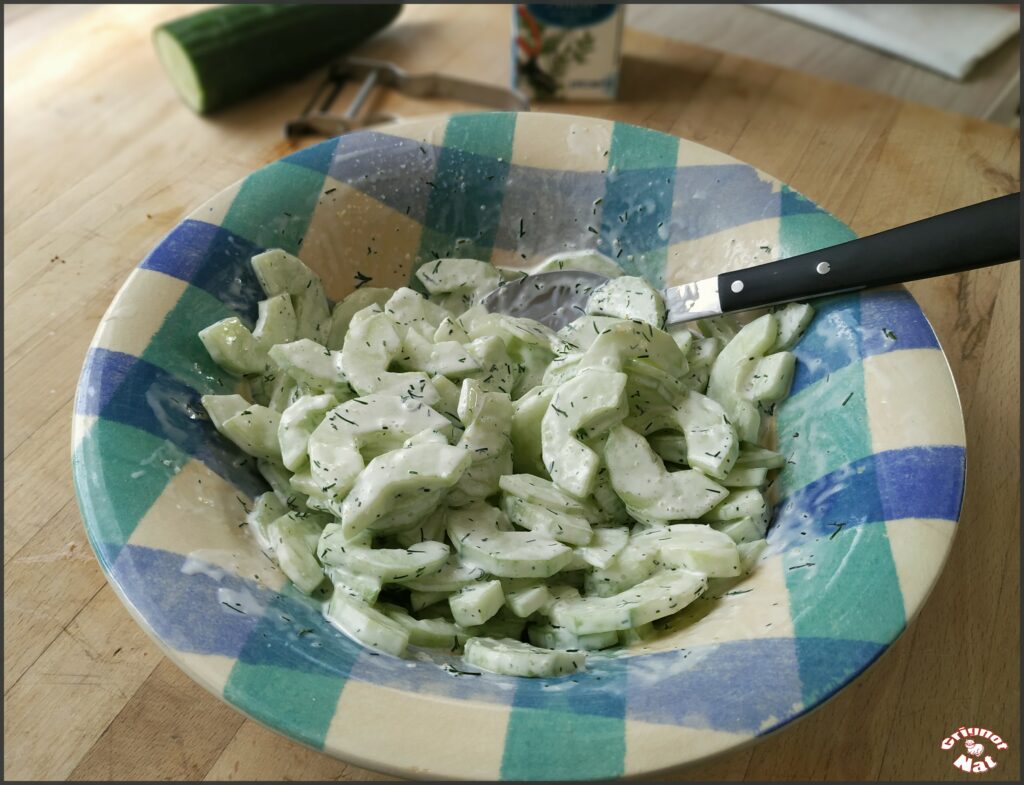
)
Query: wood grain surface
[
  {"x": 101, "y": 160},
  {"x": 991, "y": 91}
]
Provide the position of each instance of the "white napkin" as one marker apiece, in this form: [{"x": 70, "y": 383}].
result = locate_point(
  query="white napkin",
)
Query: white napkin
[{"x": 949, "y": 39}]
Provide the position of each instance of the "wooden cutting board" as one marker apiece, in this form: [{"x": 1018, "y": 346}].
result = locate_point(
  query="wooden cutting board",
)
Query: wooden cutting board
[{"x": 102, "y": 159}]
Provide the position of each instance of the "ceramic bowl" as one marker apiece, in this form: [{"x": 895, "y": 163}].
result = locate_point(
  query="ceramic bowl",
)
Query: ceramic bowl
[{"x": 868, "y": 501}]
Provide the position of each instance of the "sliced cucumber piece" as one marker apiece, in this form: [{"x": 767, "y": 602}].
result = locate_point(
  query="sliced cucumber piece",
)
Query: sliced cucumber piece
[
  {"x": 459, "y": 276},
  {"x": 389, "y": 564},
  {"x": 545, "y": 493},
  {"x": 266, "y": 509},
  {"x": 311, "y": 364},
  {"x": 276, "y": 322},
  {"x": 663, "y": 594},
  {"x": 712, "y": 444},
  {"x": 724, "y": 327},
  {"x": 742, "y": 530},
  {"x": 748, "y": 502},
  {"x": 447, "y": 358},
  {"x": 634, "y": 341},
  {"x": 221, "y": 408},
  {"x": 447, "y": 393},
  {"x": 525, "y": 600},
  {"x": 371, "y": 345},
  {"x": 696, "y": 547},
  {"x": 794, "y": 318},
  {"x": 487, "y": 444},
  {"x": 595, "y": 400},
  {"x": 450, "y": 330},
  {"x": 642, "y": 482},
  {"x": 549, "y": 637},
  {"x": 429, "y": 633},
  {"x": 732, "y": 368},
  {"x": 628, "y": 297},
  {"x": 555, "y": 524},
  {"x": 770, "y": 378},
  {"x": 700, "y": 358},
  {"x": 453, "y": 575},
  {"x": 527, "y": 456},
  {"x": 279, "y": 272},
  {"x": 497, "y": 368},
  {"x": 284, "y": 390},
  {"x": 583, "y": 331},
  {"x": 367, "y": 625},
  {"x": 431, "y": 528},
  {"x": 476, "y": 603},
  {"x": 475, "y": 533},
  {"x": 504, "y": 624},
  {"x": 279, "y": 480},
  {"x": 294, "y": 537},
  {"x": 343, "y": 312},
  {"x": 636, "y": 562},
  {"x": 514, "y": 658},
  {"x": 409, "y": 311},
  {"x": 365, "y": 588},
  {"x": 297, "y": 424},
  {"x": 683, "y": 337},
  {"x": 471, "y": 401},
  {"x": 254, "y": 430},
  {"x": 558, "y": 591},
  {"x": 606, "y": 544},
  {"x": 370, "y": 425},
  {"x": 231, "y": 345},
  {"x": 742, "y": 477},
  {"x": 376, "y": 498},
  {"x": 610, "y": 508},
  {"x": 515, "y": 332}
]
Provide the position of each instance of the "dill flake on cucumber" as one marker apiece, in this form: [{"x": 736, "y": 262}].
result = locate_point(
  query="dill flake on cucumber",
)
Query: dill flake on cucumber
[{"x": 475, "y": 483}]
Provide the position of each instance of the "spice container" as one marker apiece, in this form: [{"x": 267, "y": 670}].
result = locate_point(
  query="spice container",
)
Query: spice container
[{"x": 567, "y": 52}]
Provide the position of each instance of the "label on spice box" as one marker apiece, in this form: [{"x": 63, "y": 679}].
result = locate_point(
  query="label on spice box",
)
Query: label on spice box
[{"x": 567, "y": 52}]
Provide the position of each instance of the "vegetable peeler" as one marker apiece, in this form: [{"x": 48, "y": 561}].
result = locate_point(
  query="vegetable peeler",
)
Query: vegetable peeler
[{"x": 316, "y": 118}]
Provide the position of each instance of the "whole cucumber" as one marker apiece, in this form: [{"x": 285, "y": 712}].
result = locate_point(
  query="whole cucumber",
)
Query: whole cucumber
[{"x": 221, "y": 55}]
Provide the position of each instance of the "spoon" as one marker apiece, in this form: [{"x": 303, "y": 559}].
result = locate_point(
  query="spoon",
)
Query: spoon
[{"x": 980, "y": 235}]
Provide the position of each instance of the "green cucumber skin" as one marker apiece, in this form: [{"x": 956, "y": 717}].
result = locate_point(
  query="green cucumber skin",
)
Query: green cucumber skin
[{"x": 240, "y": 50}]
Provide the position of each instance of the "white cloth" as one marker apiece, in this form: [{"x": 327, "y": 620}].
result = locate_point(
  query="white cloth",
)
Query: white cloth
[{"x": 949, "y": 39}]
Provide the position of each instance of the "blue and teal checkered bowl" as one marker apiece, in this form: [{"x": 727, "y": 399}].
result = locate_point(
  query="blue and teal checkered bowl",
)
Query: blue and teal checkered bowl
[{"x": 873, "y": 435}]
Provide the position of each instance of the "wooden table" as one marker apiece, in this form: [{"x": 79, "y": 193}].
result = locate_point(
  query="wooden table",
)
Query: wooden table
[
  {"x": 101, "y": 160},
  {"x": 990, "y": 91}
]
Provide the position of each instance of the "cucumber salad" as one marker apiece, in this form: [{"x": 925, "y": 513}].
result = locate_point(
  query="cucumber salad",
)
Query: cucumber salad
[{"x": 449, "y": 478}]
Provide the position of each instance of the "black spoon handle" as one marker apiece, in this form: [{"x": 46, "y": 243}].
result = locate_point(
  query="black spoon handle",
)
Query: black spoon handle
[{"x": 980, "y": 235}]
